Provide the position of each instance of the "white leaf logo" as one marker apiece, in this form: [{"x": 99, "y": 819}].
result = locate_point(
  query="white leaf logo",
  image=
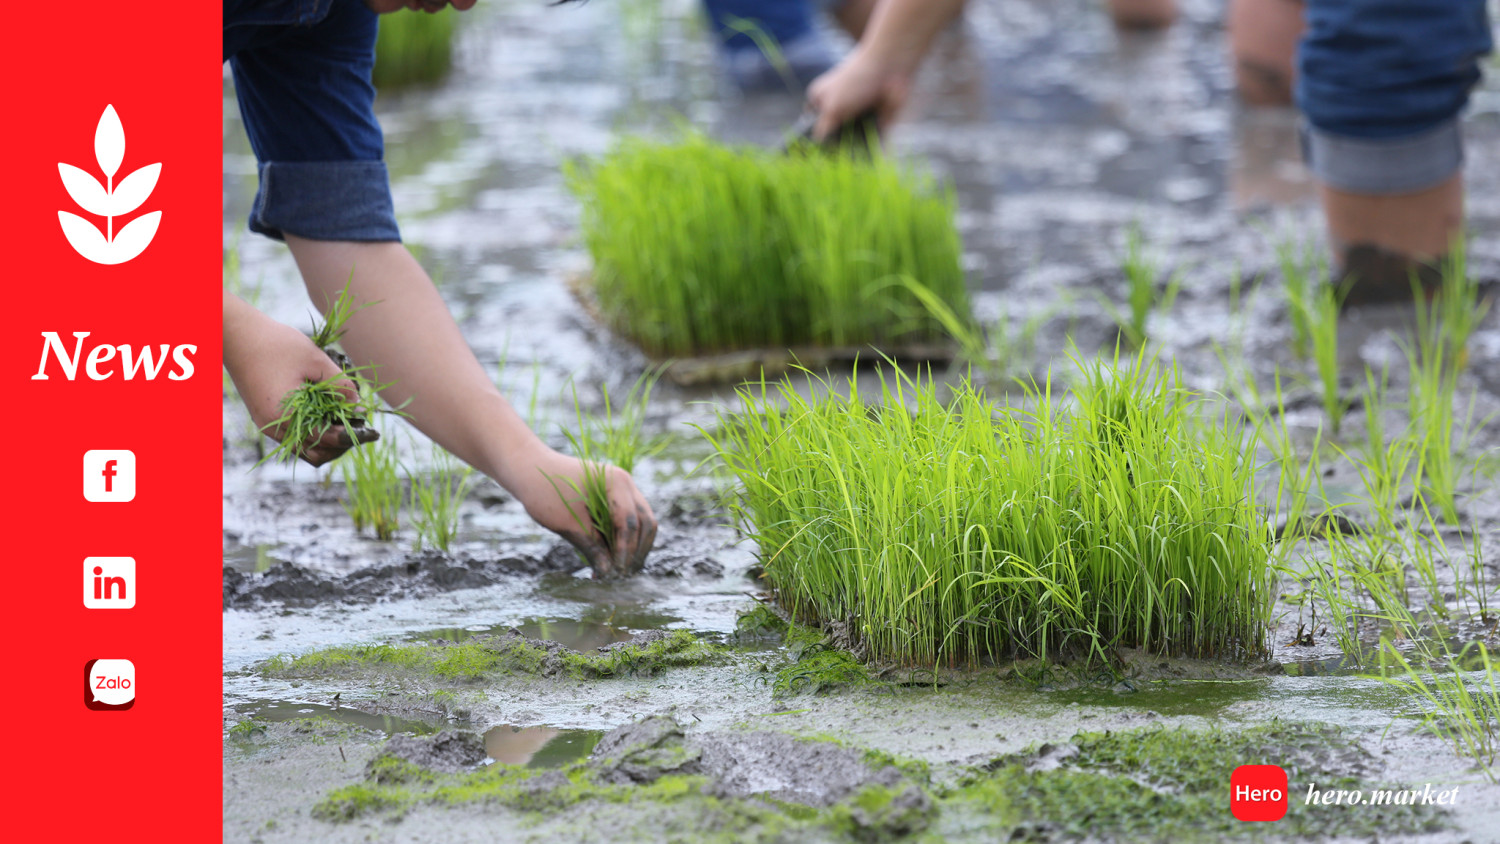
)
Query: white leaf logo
[{"x": 109, "y": 200}]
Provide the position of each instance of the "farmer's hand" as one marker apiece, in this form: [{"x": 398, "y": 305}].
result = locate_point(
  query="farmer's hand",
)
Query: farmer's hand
[
  {"x": 267, "y": 360},
  {"x": 553, "y": 479},
  {"x": 877, "y": 74},
  {"x": 855, "y": 86}
]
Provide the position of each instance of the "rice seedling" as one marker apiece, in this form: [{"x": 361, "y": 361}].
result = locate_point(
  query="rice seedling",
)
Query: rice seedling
[
  {"x": 372, "y": 482},
  {"x": 314, "y": 409},
  {"x": 1460, "y": 305},
  {"x": 1383, "y": 464},
  {"x": 616, "y": 438},
  {"x": 1295, "y": 269},
  {"x": 413, "y": 48},
  {"x": 1478, "y": 586},
  {"x": 1001, "y": 353},
  {"x": 960, "y": 532},
  {"x": 435, "y": 499},
  {"x": 1432, "y": 385},
  {"x": 1322, "y": 317},
  {"x": 743, "y": 248},
  {"x": 620, "y": 433},
  {"x": 336, "y": 316},
  {"x": 1298, "y": 475},
  {"x": 1142, "y": 296},
  {"x": 1462, "y": 704}
]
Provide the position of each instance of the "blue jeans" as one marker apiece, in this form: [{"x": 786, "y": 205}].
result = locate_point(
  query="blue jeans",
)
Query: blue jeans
[
  {"x": 784, "y": 21},
  {"x": 302, "y": 77},
  {"x": 1381, "y": 84}
]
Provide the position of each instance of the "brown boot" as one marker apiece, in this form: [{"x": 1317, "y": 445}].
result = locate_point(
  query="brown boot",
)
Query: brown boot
[
  {"x": 1381, "y": 243},
  {"x": 1143, "y": 14},
  {"x": 1374, "y": 276}
]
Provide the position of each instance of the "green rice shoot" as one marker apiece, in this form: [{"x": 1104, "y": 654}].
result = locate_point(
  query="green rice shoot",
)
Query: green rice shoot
[
  {"x": 616, "y": 438},
  {"x": 1142, "y": 295},
  {"x": 952, "y": 532},
  {"x": 743, "y": 248},
  {"x": 1323, "y": 306},
  {"x": 336, "y": 316},
  {"x": 435, "y": 498},
  {"x": 312, "y": 410},
  {"x": 373, "y": 489},
  {"x": 414, "y": 48},
  {"x": 1295, "y": 272}
]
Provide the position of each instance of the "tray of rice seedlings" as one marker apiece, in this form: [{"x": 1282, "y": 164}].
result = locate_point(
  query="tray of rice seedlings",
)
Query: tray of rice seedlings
[
  {"x": 958, "y": 532},
  {"x": 725, "y": 262}
]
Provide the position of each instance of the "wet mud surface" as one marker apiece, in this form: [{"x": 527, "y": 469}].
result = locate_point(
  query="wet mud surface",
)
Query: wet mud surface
[{"x": 1059, "y": 134}]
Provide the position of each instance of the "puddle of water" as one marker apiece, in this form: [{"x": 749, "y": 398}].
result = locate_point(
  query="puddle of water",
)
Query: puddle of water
[
  {"x": 289, "y": 710},
  {"x": 251, "y": 559},
  {"x": 539, "y": 747},
  {"x": 1179, "y": 698},
  {"x": 594, "y": 630}
]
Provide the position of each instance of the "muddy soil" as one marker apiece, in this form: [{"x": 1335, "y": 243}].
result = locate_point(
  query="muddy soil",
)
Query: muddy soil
[{"x": 1059, "y": 134}]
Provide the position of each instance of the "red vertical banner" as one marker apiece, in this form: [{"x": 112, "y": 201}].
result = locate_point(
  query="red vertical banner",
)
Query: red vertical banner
[{"x": 111, "y": 362}]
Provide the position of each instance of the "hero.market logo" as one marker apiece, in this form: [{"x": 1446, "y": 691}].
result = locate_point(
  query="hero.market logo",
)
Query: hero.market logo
[{"x": 109, "y": 200}]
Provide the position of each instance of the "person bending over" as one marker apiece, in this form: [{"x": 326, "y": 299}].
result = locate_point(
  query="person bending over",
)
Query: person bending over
[{"x": 302, "y": 77}]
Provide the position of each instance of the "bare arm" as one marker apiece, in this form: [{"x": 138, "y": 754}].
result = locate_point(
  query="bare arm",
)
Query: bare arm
[
  {"x": 267, "y": 360},
  {"x": 415, "y": 346},
  {"x": 877, "y": 73}
]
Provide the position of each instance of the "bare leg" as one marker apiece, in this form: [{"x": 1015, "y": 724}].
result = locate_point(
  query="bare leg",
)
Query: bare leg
[
  {"x": 854, "y": 15},
  {"x": 1380, "y": 240},
  {"x": 1263, "y": 36}
]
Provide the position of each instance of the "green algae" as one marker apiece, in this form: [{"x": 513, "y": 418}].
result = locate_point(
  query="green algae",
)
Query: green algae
[
  {"x": 820, "y": 671},
  {"x": 679, "y": 648},
  {"x": 480, "y": 657},
  {"x": 394, "y": 786},
  {"x": 817, "y": 665},
  {"x": 1151, "y": 784},
  {"x": 1172, "y": 785},
  {"x": 760, "y": 623}
]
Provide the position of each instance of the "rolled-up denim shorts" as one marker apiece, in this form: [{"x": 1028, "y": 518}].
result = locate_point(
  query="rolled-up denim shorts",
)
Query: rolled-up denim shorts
[
  {"x": 784, "y": 21},
  {"x": 1381, "y": 84},
  {"x": 302, "y": 77}
]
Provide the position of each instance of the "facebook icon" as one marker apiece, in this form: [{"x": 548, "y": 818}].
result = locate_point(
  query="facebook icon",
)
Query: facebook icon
[{"x": 109, "y": 475}]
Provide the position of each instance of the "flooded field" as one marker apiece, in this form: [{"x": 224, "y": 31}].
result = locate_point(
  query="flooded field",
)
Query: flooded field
[{"x": 376, "y": 692}]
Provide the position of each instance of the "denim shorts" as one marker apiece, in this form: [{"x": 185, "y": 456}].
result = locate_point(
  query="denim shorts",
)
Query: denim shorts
[
  {"x": 1381, "y": 84},
  {"x": 784, "y": 21},
  {"x": 302, "y": 76}
]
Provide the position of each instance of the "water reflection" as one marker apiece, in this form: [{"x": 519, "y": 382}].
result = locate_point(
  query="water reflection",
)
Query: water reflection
[{"x": 538, "y": 747}]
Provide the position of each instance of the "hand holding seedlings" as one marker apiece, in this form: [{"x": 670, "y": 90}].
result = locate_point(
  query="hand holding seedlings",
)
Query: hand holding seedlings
[
  {"x": 597, "y": 508},
  {"x": 270, "y": 362},
  {"x": 877, "y": 74},
  {"x": 428, "y": 371}
]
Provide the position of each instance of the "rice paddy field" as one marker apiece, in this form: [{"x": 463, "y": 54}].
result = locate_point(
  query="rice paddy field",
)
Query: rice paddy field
[{"x": 1156, "y": 511}]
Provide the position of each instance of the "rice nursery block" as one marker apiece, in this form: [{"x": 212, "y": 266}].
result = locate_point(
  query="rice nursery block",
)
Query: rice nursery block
[
  {"x": 702, "y": 249},
  {"x": 414, "y": 48},
  {"x": 959, "y": 532}
]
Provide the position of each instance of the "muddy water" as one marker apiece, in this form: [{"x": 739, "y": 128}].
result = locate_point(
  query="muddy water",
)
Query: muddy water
[{"x": 1058, "y": 133}]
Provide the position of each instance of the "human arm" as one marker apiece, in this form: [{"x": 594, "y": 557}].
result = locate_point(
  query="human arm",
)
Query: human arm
[
  {"x": 416, "y": 348},
  {"x": 877, "y": 73},
  {"x": 267, "y": 360}
]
